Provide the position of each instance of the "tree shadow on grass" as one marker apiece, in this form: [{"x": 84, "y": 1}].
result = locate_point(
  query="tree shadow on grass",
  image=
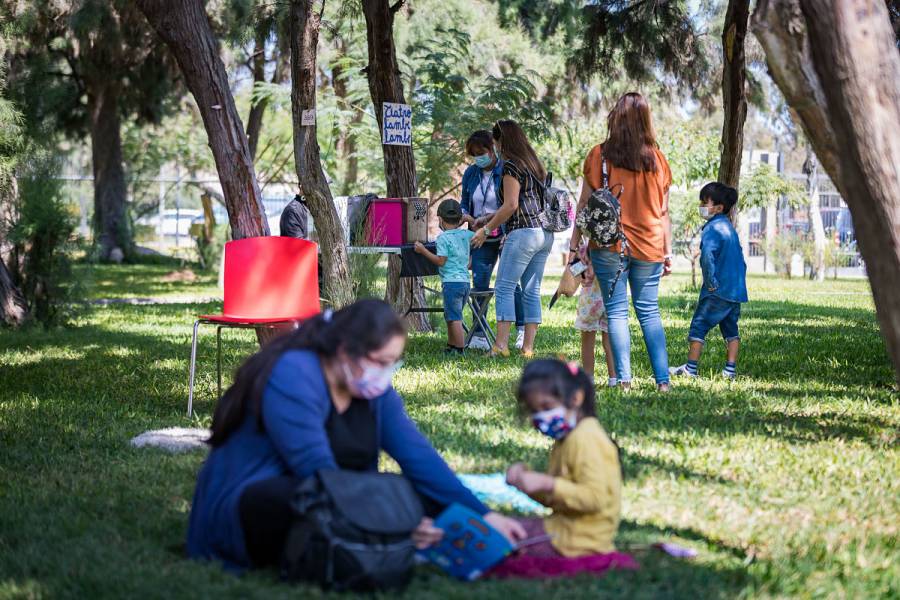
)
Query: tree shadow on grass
[{"x": 148, "y": 371}]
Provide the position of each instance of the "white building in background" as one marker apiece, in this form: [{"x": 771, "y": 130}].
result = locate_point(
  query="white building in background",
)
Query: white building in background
[
  {"x": 756, "y": 217},
  {"x": 835, "y": 214}
]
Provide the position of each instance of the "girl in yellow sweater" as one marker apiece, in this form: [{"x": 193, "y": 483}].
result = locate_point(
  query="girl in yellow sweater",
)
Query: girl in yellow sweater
[{"x": 583, "y": 484}]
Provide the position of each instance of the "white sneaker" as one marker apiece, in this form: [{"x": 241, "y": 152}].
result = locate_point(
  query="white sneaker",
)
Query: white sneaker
[
  {"x": 612, "y": 382},
  {"x": 479, "y": 342},
  {"x": 681, "y": 371},
  {"x": 727, "y": 375},
  {"x": 520, "y": 339}
]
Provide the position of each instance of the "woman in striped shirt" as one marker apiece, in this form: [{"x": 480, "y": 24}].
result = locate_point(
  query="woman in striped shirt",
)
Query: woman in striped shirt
[{"x": 527, "y": 244}]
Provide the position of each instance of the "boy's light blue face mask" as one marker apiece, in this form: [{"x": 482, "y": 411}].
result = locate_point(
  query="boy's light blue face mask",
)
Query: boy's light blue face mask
[{"x": 483, "y": 161}]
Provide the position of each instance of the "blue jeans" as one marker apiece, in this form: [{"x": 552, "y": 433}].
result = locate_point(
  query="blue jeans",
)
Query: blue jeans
[
  {"x": 483, "y": 261},
  {"x": 455, "y": 294},
  {"x": 522, "y": 262},
  {"x": 643, "y": 277},
  {"x": 712, "y": 311}
]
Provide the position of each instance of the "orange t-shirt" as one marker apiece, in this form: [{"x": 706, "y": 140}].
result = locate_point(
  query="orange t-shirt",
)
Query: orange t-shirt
[{"x": 643, "y": 201}]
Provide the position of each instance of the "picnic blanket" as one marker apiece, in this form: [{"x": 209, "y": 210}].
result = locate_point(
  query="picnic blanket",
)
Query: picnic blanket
[{"x": 492, "y": 489}]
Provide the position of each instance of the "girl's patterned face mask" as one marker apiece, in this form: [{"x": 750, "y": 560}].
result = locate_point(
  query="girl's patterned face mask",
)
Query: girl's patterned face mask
[{"x": 553, "y": 422}]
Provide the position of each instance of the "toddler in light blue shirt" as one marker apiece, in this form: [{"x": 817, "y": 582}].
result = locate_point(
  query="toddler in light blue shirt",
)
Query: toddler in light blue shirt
[{"x": 452, "y": 259}]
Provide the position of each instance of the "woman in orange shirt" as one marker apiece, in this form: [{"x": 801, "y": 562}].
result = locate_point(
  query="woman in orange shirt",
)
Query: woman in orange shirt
[{"x": 634, "y": 161}]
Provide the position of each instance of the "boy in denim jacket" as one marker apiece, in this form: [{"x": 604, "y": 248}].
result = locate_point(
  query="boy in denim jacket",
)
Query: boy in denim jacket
[{"x": 724, "y": 280}]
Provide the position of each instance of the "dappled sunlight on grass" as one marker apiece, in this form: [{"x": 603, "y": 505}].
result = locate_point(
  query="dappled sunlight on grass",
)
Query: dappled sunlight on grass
[{"x": 786, "y": 481}]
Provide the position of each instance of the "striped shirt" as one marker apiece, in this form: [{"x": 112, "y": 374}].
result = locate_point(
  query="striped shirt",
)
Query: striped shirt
[{"x": 530, "y": 198}]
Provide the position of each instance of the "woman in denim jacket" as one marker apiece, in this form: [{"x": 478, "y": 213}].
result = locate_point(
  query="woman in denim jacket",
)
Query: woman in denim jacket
[{"x": 480, "y": 190}]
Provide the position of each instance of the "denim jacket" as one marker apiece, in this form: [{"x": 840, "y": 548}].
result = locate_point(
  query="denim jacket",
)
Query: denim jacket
[
  {"x": 722, "y": 261},
  {"x": 470, "y": 181}
]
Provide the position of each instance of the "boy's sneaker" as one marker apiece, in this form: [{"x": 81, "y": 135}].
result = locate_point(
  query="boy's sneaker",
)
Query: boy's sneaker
[
  {"x": 479, "y": 342},
  {"x": 451, "y": 350},
  {"x": 730, "y": 371},
  {"x": 681, "y": 371},
  {"x": 520, "y": 338}
]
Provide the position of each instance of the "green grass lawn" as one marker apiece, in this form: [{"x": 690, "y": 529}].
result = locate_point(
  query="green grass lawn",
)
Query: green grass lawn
[{"x": 786, "y": 482}]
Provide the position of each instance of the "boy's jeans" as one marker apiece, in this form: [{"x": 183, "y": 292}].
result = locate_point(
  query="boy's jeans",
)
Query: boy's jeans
[
  {"x": 483, "y": 261},
  {"x": 522, "y": 261},
  {"x": 643, "y": 278},
  {"x": 712, "y": 311}
]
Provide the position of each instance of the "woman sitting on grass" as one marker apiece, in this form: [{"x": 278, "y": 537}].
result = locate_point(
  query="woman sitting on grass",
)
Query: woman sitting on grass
[
  {"x": 584, "y": 482},
  {"x": 317, "y": 398}
]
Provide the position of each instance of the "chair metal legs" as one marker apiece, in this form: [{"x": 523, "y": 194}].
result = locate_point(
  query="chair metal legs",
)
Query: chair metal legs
[
  {"x": 219, "y": 329},
  {"x": 193, "y": 369},
  {"x": 219, "y": 359}
]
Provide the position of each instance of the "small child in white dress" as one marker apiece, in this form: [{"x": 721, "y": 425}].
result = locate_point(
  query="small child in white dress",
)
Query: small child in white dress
[{"x": 591, "y": 318}]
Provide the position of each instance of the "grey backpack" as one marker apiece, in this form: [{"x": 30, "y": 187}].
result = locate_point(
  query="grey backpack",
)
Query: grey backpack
[{"x": 554, "y": 217}]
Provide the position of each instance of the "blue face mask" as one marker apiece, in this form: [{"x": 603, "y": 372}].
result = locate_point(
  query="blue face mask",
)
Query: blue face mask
[
  {"x": 553, "y": 423},
  {"x": 483, "y": 161}
]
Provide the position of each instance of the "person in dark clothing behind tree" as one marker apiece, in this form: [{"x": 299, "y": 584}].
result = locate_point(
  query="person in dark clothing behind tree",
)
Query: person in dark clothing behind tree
[
  {"x": 295, "y": 219},
  {"x": 295, "y": 223}
]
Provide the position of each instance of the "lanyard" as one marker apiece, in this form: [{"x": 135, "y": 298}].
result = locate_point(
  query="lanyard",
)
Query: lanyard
[{"x": 483, "y": 189}]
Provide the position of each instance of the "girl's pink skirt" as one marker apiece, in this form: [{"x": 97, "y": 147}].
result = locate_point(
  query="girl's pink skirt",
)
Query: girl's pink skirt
[{"x": 542, "y": 560}]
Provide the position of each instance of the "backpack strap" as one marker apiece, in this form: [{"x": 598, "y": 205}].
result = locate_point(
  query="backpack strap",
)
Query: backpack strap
[{"x": 605, "y": 171}]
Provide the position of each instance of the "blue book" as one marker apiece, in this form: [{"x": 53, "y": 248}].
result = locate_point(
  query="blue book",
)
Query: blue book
[{"x": 470, "y": 546}]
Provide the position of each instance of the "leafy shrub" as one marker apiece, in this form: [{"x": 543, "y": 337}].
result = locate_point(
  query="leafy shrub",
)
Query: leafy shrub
[
  {"x": 782, "y": 249},
  {"x": 42, "y": 238}
]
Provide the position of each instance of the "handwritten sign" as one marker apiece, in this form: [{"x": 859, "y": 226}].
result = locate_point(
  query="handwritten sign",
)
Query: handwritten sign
[
  {"x": 308, "y": 117},
  {"x": 397, "y": 124}
]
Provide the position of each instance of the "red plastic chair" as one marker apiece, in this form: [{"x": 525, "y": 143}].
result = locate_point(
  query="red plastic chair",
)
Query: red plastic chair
[{"x": 269, "y": 282}]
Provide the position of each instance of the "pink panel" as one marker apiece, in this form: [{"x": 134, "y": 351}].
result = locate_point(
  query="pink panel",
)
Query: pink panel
[{"x": 386, "y": 223}]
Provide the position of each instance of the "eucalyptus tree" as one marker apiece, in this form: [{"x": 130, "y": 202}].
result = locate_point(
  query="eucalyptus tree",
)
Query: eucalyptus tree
[
  {"x": 838, "y": 67},
  {"x": 13, "y": 307},
  {"x": 81, "y": 67},
  {"x": 185, "y": 28}
]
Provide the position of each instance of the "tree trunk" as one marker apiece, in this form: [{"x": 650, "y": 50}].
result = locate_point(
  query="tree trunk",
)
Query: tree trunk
[
  {"x": 734, "y": 91},
  {"x": 346, "y": 144},
  {"x": 111, "y": 227},
  {"x": 815, "y": 220},
  {"x": 13, "y": 308},
  {"x": 257, "y": 109},
  {"x": 184, "y": 26},
  {"x": 337, "y": 283},
  {"x": 838, "y": 67},
  {"x": 383, "y": 73}
]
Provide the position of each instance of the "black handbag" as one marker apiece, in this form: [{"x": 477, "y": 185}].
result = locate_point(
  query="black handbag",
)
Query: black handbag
[{"x": 352, "y": 531}]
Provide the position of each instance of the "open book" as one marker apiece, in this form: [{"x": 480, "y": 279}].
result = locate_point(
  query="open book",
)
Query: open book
[{"x": 470, "y": 546}]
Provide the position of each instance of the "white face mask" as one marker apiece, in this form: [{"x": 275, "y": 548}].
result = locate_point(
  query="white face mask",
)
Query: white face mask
[
  {"x": 373, "y": 382},
  {"x": 704, "y": 213}
]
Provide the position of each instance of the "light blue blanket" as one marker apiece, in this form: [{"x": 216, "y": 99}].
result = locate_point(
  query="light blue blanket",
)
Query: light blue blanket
[{"x": 492, "y": 489}]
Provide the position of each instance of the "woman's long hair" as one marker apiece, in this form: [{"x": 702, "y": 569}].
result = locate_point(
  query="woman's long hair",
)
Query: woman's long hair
[
  {"x": 630, "y": 140},
  {"x": 517, "y": 149},
  {"x": 358, "y": 330}
]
